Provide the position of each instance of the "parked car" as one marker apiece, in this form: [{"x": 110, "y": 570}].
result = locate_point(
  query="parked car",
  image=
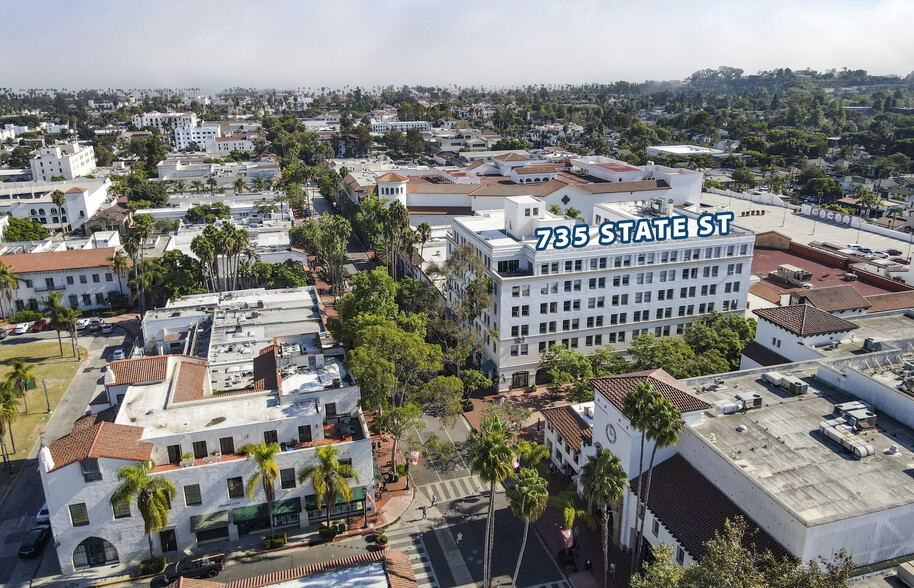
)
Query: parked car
[
  {"x": 864, "y": 250},
  {"x": 893, "y": 251},
  {"x": 4, "y": 333},
  {"x": 44, "y": 515},
  {"x": 33, "y": 543},
  {"x": 877, "y": 255},
  {"x": 95, "y": 324},
  {"x": 21, "y": 328},
  {"x": 203, "y": 567},
  {"x": 900, "y": 260},
  {"x": 39, "y": 325},
  {"x": 107, "y": 328},
  {"x": 82, "y": 323},
  {"x": 852, "y": 246},
  {"x": 118, "y": 354}
]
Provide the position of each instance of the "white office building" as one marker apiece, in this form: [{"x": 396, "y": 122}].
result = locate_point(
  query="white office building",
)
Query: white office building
[
  {"x": 594, "y": 296},
  {"x": 70, "y": 160},
  {"x": 201, "y": 135},
  {"x": 33, "y": 200},
  {"x": 165, "y": 121},
  {"x": 173, "y": 409},
  {"x": 379, "y": 127}
]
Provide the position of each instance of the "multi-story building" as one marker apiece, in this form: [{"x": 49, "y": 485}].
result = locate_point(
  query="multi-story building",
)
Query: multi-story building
[
  {"x": 165, "y": 121},
  {"x": 222, "y": 146},
  {"x": 379, "y": 127},
  {"x": 201, "y": 135},
  {"x": 32, "y": 200},
  {"x": 177, "y": 411},
  {"x": 81, "y": 276},
  {"x": 70, "y": 160},
  {"x": 594, "y": 296}
]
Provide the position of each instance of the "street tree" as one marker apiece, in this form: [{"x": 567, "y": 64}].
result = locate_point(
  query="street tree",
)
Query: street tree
[
  {"x": 527, "y": 498},
  {"x": 264, "y": 457},
  {"x": 603, "y": 482},
  {"x": 153, "y": 495},
  {"x": 329, "y": 478}
]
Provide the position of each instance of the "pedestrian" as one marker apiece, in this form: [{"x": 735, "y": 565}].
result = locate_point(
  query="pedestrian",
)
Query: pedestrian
[
  {"x": 459, "y": 538},
  {"x": 538, "y": 423},
  {"x": 424, "y": 511},
  {"x": 434, "y": 499},
  {"x": 612, "y": 569}
]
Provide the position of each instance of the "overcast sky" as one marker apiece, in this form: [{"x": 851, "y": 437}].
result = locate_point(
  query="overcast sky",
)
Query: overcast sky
[{"x": 287, "y": 44}]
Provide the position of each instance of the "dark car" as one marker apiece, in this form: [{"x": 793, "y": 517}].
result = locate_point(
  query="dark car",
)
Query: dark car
[
  {"x": 95, "y": 325},
  {"x": 39, "y": 325},
  {"x": 893, "y": 251},
  {"x": 34, "y": 542},
  {"x": 190, "y": 567},
  {"x": 901, "y": 260}
]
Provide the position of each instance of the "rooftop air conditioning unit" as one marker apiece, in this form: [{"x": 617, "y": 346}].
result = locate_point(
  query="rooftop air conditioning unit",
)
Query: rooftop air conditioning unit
[
  {"x": 872, "y": 344},
  {"x": 749, "y": 401}
]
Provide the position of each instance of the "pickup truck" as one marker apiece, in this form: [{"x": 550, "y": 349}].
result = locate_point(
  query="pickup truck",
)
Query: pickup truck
[{"x": 190, "y": 567}]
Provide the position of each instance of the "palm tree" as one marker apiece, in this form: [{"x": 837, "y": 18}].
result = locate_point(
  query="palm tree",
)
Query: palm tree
[
  {"x": 9, "y": 410},
  {"x": 53, "y": 307},
  {"x": 180, "y": 186},
  {"x": 68, "y": 319},
  {"x": 568, "y": 502},
  {"x": 424, "y": 232},
  {"x": 264, "y": 455},
  {"x": 197, "y": 185},
  {"x": 329, "y": 478},
  {"x": 211, "y": 182},
  {"x": 59, "y": 199},
  {"x": 239, "y": 185},
  {"x": 528, "y": 498},
  {"x": 119, "y": 265},
  {"x": 19, "y": 379},
  {"x": 664, "y": 428},
  {"x": 259, "y": 184},
  {"x": 603, "y": 482},
  {"x": 153, "y": 496},
  {"x": 636, "y": 407},
  {"x": 490, "y": 457},
  {"x": 9, "y": 283}
]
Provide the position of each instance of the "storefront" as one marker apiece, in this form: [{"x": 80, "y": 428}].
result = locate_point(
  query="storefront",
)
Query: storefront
[
  {"x": 355, "y": 506},
  {"x": 211, "y": 526},
  {"x": 256, "y": 517}
]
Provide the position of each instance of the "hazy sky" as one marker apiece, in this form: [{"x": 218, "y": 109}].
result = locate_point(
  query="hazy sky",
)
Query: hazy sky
[{"x": 285, "y": 44}]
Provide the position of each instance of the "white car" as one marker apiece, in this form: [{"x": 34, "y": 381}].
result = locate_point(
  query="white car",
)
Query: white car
[
  {"x": 118, "y": 354},
  {"x": 44, "y": 515},
  {"x": 82, "y": 323},
  {"x": 21, "y": 328}
]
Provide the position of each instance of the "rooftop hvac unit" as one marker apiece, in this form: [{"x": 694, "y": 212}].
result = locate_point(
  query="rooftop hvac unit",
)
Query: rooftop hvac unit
[
  {"x": 872, "y": 344},
  {"x": 749, "y": 401},
  {"x": 725, "y": 407},
  {"x": 861, "y": 419},
  {"x": 773, "y": 377},
  {"x": 795, "y": 386},
  {"x": 850, "y": 277},
  {"x": 845, "y": 407}
]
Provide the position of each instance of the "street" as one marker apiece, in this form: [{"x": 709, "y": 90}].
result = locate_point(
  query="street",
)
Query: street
[{"x": 18, "y": 509}]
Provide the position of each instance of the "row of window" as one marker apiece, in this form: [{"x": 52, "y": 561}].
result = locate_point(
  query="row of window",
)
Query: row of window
[
  {"x": 32, "y": 303},
  {"x": 598, "y": 263},
  {"x": 83, "y": 279}
]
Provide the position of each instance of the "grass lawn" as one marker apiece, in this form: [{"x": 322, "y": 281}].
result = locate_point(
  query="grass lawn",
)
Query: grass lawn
[{"x": 46, "y": 362}]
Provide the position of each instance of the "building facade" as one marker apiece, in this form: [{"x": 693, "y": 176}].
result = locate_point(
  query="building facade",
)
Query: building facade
[
  {"x": 165, "y": 121},
  {"x": 70, "y": 160},
  {"x": 32, "y": 200}
]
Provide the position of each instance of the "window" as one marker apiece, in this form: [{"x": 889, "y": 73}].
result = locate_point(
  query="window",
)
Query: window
[
  {"x": 655, "y": 528},
  {"x": 79, "y": 516},
  {"x": 514, "y": 350},
  {"x": 96, "y": 278},
  {"x": 329, "y": 409},
  {"x": 192, "y": 495},
  {"x": 598, "y": 340},
  {"x": 680, "y": 556},
  {"x": 90, "y": 470},
  {"x": 200, "y": 449},
  {"x": 83, "y": 279},
  {"x": 235, "y": 487},
  {"x": 270, "y": 437},
  {"x": 515, "y": 291},
  {"x": 174, "y": 454},
  {"x": 226, "y": 445},
  {"x": 287, "y": 478},
  {"x": 109, "y": 277},
  {"x": 69, "y": 280},
  {"x": 304, "y": 433}
]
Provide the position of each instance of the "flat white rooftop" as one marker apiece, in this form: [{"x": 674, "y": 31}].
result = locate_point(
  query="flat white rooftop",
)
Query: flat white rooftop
[{"x": 684, "y": 150}]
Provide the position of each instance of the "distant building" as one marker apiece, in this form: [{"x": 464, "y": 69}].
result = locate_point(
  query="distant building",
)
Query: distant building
[
  {"x": 201, "y": 135},
  {"x": 165, "y": 121},
  {"x": 380, "y": 127},
  {"x": 682, "y": 150},
  {"x": 70, "y": 160}
]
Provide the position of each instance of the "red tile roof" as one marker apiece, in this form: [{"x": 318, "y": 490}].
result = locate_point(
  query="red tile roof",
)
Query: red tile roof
[
  {"x": 24, "y": 263},
  {"x": 891, "y": 301},
  {"x": 569, "y": 425},
  {"x": 138, "y": 370},
  {"x": 102, "y": 439},
  {"x": 535, "y": 169},
  {"x": 512, "y": 157},
  {"x": 618, "y": 167},
  {"x": 805, "y": 320},
  {"x": 190, "y": 380},
  {"x": 833, "y": 298},
  {"x": 75, "y": 190},
  {"x": 392, "y": 177},
  {"x": 616, "y": 388},
  {"x": 693, "y": 508},
  {"x": 765, "y": 292},
  {"x": 266, "y": 375}
]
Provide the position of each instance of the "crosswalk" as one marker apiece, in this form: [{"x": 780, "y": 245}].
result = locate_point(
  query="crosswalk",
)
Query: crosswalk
[
  {"x": 409, "y": 542},
  {"x": 456, "y": 488}
]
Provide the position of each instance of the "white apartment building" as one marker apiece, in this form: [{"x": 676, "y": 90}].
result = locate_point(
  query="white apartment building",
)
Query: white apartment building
[
  {"x": 222, "y": 146},
  {"x": 33, "y": 200},
  {"x": 594, "y": 296},
  {"x": 287, "y": 386},
  {"x": 165, "y": 121},
  {"x": 70, "y": 160},
  {"x": 379, "y": 127},
  {"x": 201, "y": 135},
  {"x": 81, "y": 276}
]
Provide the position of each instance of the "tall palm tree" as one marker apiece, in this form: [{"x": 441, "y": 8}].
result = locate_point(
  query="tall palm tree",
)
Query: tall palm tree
[
  {"x": 180, "y": 186},
  {"x": 528, "y": 498},
  {"x": 259, "y": 184},
  {"x": 19, "y": 379},
  {"x": 239, "y": 185},
  {"x": 68, "y": 319},
  {"x": 203, "y": 248},
  {"x": 328, "y": 478},
  {"x": 197, "y": 185},
  {"x": 9, "y": 410},
  {"x": 211, "y": 183},
  {"x": 603, "y": 482},
  {"x": 119, "y": 265},
  {"x": 664, "y": 427},
  {"x": 424, "y": 232},
  {"x": 153, "y": 496},
  {"x": 491, "y": 458},
  {"x": 636, "y": 407},
  {"x": 53, "y": 307},
  {"x": 9, "y": 283},
  {"x": 264, "y": 456},
  {"x": 59, "y": 199}
]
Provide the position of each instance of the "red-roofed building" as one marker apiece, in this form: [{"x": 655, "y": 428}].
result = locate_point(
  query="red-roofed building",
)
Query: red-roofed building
[
  {"x": 795, "y": 332},
  {"x": 81, "y": 276}
]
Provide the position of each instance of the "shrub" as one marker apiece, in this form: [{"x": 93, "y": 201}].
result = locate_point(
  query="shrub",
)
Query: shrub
[
  {"x": 401, "y": 469},
  {"x": 380, "y": 539},
  {"x": 25, "y": 316},
  {"x": 274, "y": 542},
  {"x": 467, "y": 406},
  {"x": 152, "y": 566},
  {"x": 328, "y": 532}
]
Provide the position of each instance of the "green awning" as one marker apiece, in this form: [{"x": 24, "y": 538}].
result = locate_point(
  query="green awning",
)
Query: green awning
[
  {"x": 247, "y": 514},
  {"x": 358, "y": 493},
  {"x": 207, "y": 522}
]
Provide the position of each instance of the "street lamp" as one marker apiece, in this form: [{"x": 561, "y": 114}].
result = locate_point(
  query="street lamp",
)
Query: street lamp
[{"x": 44, "y": 382}]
